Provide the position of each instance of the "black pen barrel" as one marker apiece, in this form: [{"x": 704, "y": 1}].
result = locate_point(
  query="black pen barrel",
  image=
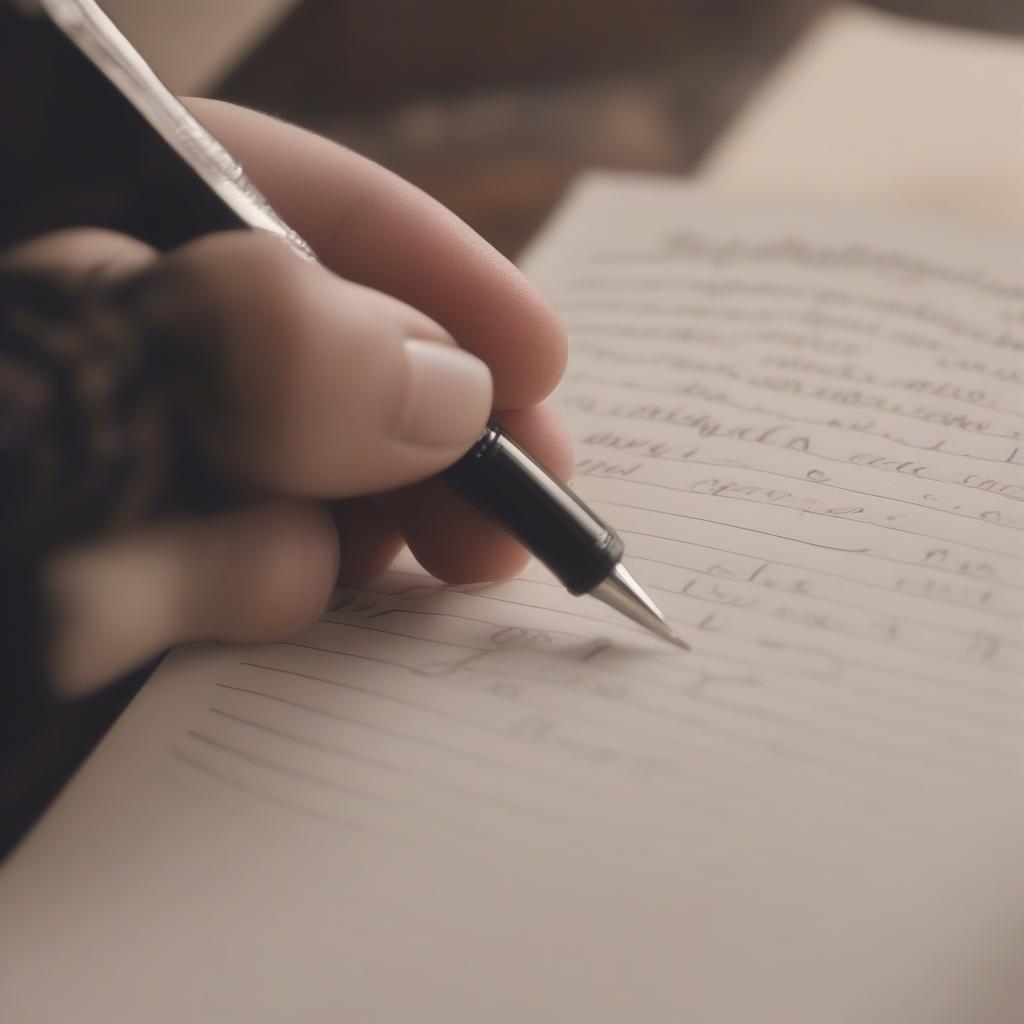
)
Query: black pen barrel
[{"x": 545, "y": 517}]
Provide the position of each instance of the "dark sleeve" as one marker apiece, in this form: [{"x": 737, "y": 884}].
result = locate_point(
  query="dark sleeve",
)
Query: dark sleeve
[{"x": 107, "y": 392}]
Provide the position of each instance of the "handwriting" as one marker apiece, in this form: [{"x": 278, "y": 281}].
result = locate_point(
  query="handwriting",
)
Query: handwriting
[{"x": 814, "y": 450}]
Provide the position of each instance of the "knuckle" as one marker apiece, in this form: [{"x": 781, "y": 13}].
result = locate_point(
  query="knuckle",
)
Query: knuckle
[{"x": 253, "y": 281}]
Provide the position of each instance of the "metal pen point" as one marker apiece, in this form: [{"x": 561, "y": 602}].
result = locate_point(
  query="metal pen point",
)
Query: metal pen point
[
  {"x": 555, "y": 525},
  {"x": 620, "y": 591}
]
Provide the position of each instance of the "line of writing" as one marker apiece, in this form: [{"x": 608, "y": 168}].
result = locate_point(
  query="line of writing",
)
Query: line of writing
[
  {"x": 910, "y": 595},
  {"x": 887, "y": 671},
  {"x": 589, "y": 788},
  {"x": 815, "y": 597},
  {"x": 937, "y": 748},
  {"x": 1013, "y": 692},
  {"x": 747, "y": 663},
  {"x": 499, "y": 650},
  {"x": 700, "y": 726},
  {"x": 957, "y": 714},
  {"x": 755, "y": 662},
  {"x": 699, "y": 729},
  {"x": 995, "y": 692},
  {"x": 880, "y": 696},
  {"x": 973, "y": 664},
  {"x": 666, "y": 590},
  {"x": 676, "y": 717},
  {"x": 679, "y": 391},
  {"x": 785, "y": 337},
  {"x": 791, "y": 417},
  {"x": 758, "y": 661},
  {"x": 730, "y": 316},
  {"x": 942, "y": 656},
  {"x": 897, "y": 752},
  {"x": 596, "y": 330},
  {"x": 773, "y": 340},
  {"x": 815, "y": 455},
  {"x": 823, "y": 483},
  {"x": 731, "y": 288},
  {"x": 1010, "y": 616},
  {"x": 811, "y": 301},
  {"x": 828, "y": 515},
  {"x": 727, "y": 315}
]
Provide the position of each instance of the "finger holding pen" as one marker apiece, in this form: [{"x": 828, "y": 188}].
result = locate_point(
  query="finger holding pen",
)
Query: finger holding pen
[
  {"x": 321, "y": 387},
  {"x": 379, "y": 230}
]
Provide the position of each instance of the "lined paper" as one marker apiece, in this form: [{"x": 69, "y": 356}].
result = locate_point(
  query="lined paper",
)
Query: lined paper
[{"x": 502, "y": 803}]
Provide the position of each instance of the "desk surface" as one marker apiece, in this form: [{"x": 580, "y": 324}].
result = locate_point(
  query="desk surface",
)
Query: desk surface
[{"x": 493, "y": 109}]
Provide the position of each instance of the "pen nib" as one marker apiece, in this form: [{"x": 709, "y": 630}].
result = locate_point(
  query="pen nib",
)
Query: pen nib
[
  {"x": 621, "y": 592},
  {"x": 675, "y": 638}
]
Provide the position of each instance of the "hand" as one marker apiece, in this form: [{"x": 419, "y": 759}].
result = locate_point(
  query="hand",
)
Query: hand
[{"x": 337, "y": 383}]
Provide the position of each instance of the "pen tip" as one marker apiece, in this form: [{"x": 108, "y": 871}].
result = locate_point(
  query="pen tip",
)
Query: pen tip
[
  {"x": 621, "y": 592},
  {"x": 674, "y": 638}
]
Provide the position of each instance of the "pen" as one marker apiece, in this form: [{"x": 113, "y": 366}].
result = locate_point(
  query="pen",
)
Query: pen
[
  {"x": 553, "y": 524},
  {"x": 583, "y": 552}
]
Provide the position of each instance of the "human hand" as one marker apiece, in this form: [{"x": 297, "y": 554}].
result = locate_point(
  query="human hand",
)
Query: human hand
[{"x": 341, "y": 383}]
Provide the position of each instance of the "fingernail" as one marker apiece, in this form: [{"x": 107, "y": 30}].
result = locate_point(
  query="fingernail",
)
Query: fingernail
[{"x": 448, "y": 396}]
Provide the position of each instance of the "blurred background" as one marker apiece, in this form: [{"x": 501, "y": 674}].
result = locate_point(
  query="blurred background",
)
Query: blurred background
[{"x": 492, "y": 106}]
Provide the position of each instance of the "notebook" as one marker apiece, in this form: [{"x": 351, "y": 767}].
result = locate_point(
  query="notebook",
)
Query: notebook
[{"x": 501, "y": 803}]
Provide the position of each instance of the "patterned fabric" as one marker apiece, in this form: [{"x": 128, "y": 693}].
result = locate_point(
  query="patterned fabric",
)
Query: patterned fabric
[{"x": 107, "y": 392}]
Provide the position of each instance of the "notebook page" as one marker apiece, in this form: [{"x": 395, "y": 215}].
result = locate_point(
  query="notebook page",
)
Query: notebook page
[{"x": 502, "y": 803}]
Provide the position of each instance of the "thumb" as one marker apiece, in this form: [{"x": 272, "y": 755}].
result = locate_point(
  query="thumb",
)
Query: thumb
[{"x": 323, "y": 388}]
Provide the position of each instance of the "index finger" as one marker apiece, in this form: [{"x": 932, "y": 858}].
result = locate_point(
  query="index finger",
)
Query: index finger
[{"x": 372, "y": 227}]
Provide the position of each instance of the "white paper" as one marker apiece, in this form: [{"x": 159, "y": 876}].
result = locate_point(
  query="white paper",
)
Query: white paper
[
  {"x": 887, "y": 113},
  {"x": 503, "y": 804}
]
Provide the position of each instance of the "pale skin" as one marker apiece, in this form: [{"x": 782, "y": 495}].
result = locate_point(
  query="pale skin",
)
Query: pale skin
[{"x": 325, "y": 401}]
